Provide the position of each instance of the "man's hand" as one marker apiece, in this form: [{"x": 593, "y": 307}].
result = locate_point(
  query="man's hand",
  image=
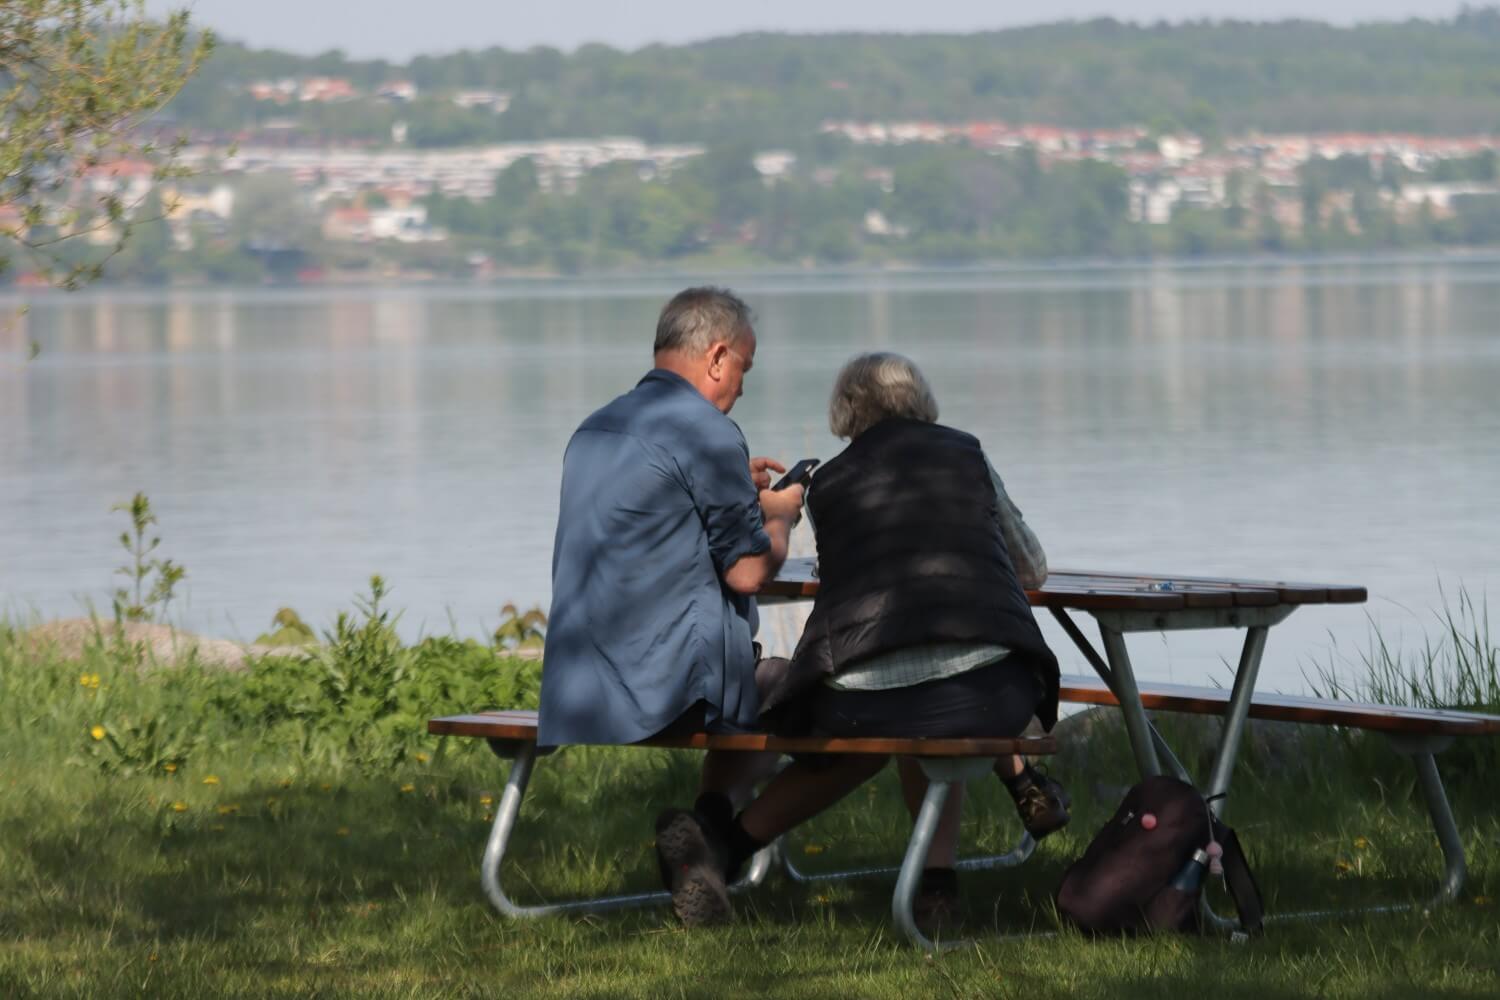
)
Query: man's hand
[
  {"x": 760, "y": 471},
  {"x": 781, "y": 509},
  {"x": 782, "y": 505}
]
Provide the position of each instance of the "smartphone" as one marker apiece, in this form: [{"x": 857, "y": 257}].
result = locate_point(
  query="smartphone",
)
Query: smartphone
[{"x": 799, "y": 473}]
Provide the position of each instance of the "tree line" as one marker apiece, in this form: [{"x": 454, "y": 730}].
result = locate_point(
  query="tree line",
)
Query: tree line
[{"x": 1211, "y": 77}]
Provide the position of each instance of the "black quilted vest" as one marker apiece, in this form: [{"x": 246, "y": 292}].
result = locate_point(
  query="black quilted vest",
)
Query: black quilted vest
[{"x": 910, "y": 552}]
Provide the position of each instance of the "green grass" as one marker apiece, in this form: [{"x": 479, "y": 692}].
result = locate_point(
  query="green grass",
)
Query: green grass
[{"x": 319, "y": 865}]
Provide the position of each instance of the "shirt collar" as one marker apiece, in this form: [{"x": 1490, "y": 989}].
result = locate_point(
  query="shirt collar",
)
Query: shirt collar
[{"x": 676, "y": 381}]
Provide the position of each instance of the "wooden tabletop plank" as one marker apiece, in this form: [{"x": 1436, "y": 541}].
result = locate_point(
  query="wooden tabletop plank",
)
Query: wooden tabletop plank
[
  {"x": 1089, "y": 599},
  {"x": 1288, "y": 592},
  {"x": 522, "y": 725},
  {"x": 1106, "y": 591}
]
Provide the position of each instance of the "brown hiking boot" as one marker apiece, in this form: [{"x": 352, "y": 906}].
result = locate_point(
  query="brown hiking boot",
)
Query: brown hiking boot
[
  {"x": 1041, "y": 803},
  {"x": 691, "y": 857}
]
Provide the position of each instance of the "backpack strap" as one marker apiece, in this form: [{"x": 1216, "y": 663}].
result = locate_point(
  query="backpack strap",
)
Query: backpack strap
[{"x": 1239, "y": 880}]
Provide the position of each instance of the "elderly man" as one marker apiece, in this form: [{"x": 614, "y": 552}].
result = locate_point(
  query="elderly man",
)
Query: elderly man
[
  {"x": 662, "y": 538},
  {"x": 665, "y": 531}
]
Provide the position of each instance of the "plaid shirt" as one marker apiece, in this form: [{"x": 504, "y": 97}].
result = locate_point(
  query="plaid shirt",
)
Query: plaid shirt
[{"x": 935, "y": 661}]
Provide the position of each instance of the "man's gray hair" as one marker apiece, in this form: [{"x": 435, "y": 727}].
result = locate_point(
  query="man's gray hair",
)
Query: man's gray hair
[
  {"x": 873, "y": 387},
  {"x": 697, "y": 317}
]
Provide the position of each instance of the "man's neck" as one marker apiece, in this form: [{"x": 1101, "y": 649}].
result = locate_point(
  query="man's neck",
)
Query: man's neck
[{"x": 690, "y": 371}]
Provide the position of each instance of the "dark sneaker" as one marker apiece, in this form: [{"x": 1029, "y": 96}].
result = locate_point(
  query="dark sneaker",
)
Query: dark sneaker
[
  {"x": 1042, "y": 805},
  {"x": 691, "y": 857}
]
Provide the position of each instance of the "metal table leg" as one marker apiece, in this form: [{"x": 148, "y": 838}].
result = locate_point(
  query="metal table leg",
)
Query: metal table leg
[
  {"x": 1125, "y": 690},
  {"x": 1234, "y": 717},
  {"x": 1163, "y": 751}
]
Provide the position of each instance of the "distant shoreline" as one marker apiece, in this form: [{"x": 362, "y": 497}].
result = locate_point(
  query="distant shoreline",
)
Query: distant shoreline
[{"x": 738, "y": 272}]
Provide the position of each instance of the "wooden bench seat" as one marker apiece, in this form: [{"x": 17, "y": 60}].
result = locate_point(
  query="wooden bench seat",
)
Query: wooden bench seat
[
  {"x": 946, "y": 762},
  {"x": 1420, "y": 733},
  {"x": 1082, "y": 689},
  {"x": 517, "y": 726}
]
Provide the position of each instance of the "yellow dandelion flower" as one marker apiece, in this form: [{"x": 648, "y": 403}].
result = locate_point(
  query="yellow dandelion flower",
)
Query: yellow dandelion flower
[
  {"x": 486, "y": 800},
  {"x": 210, "y": 779},
  {"x": 408, "y": 788},
  {"x": 97, "y": 732},
  {"x": 179, "y": 807},
  {"x": 421, "y": 758},
  {"x": 1342, "y": 866},
  {"x": 169, "y": 767},
  {"x": 342, "y": 831},
  {"x": 1361, "y": 844},
  {"x": 228, "y": 809},
  {"x": 151, "y": 957},
  {"x": 812, "y": 849},
  {"x": 1482, "y": 901},
  {"x": 83, "y": 679},
  {"x": 94, "y": 681},
  {"x": 821, "y": 900}
]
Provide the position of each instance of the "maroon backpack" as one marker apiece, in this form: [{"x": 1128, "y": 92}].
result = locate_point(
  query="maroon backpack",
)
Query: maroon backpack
[{"x": 1145, "y": 870}]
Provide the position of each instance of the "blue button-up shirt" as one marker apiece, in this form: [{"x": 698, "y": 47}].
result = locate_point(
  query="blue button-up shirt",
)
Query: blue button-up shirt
[{"x": 657, "y": 503}]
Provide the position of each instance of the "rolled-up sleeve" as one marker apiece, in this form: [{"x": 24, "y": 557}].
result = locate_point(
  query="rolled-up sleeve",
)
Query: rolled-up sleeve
[
  {"x": 1024, "y": 547},
  {"x": 727, "y": 501}
]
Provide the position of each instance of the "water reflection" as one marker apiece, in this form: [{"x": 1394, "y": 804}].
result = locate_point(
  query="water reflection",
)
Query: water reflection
[{"x": 1329, "y": 420}]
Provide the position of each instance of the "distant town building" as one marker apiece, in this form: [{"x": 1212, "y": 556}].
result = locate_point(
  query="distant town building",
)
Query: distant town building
[
  {"x": 326, "y": 89},
  {"x": 403, "y": 91},
  {"x": 277, "y": 91},
  {"x": 1440, "y": 198},
  {"x": 775, "y": 164},
  {"x": 492, "y": 100}
]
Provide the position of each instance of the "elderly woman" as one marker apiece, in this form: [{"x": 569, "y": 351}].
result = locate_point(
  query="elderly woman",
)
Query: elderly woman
[{"x": 920, "y": 628}]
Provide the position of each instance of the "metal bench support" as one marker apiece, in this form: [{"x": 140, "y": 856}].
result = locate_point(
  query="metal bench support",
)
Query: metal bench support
[
  {"x": 1150, "y": 748},
  {"x": 1454, "y": 867},
  {"x": 506, "y": 814},
  {"x": 942, "y": 775},
  {"x": 1018, "y": 855},
  {"x": 1422, "y": 750}
]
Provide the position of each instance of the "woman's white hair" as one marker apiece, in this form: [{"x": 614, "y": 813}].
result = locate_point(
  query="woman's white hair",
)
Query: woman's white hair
[{"x": 873, "y": 387}]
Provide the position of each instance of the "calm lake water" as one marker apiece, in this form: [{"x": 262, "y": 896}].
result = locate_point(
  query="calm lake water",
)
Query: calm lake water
[{"x": 1332, "y": 420}]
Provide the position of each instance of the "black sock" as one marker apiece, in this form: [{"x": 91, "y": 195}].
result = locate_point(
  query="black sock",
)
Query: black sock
[
  {"x": 742, "y": 847},
  {"x": 939, "y": 880},
  {"x": 717, "y": 810}
]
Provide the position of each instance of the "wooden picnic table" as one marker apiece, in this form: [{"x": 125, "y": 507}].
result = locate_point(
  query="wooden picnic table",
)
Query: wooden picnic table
[
  {"x": 1082, "y": 591},
  {"x": 1122, "y": 603}
]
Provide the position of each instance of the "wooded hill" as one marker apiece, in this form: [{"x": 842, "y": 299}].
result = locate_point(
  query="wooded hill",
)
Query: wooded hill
[{"x": 1440, "y": 76}]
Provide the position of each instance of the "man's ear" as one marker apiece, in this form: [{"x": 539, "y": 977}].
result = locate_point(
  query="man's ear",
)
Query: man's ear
[{"x": 718, "y": 356}]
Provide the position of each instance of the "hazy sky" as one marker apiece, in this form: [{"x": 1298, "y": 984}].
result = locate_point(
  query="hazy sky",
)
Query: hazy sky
[{"x": 398, "y": 30}]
